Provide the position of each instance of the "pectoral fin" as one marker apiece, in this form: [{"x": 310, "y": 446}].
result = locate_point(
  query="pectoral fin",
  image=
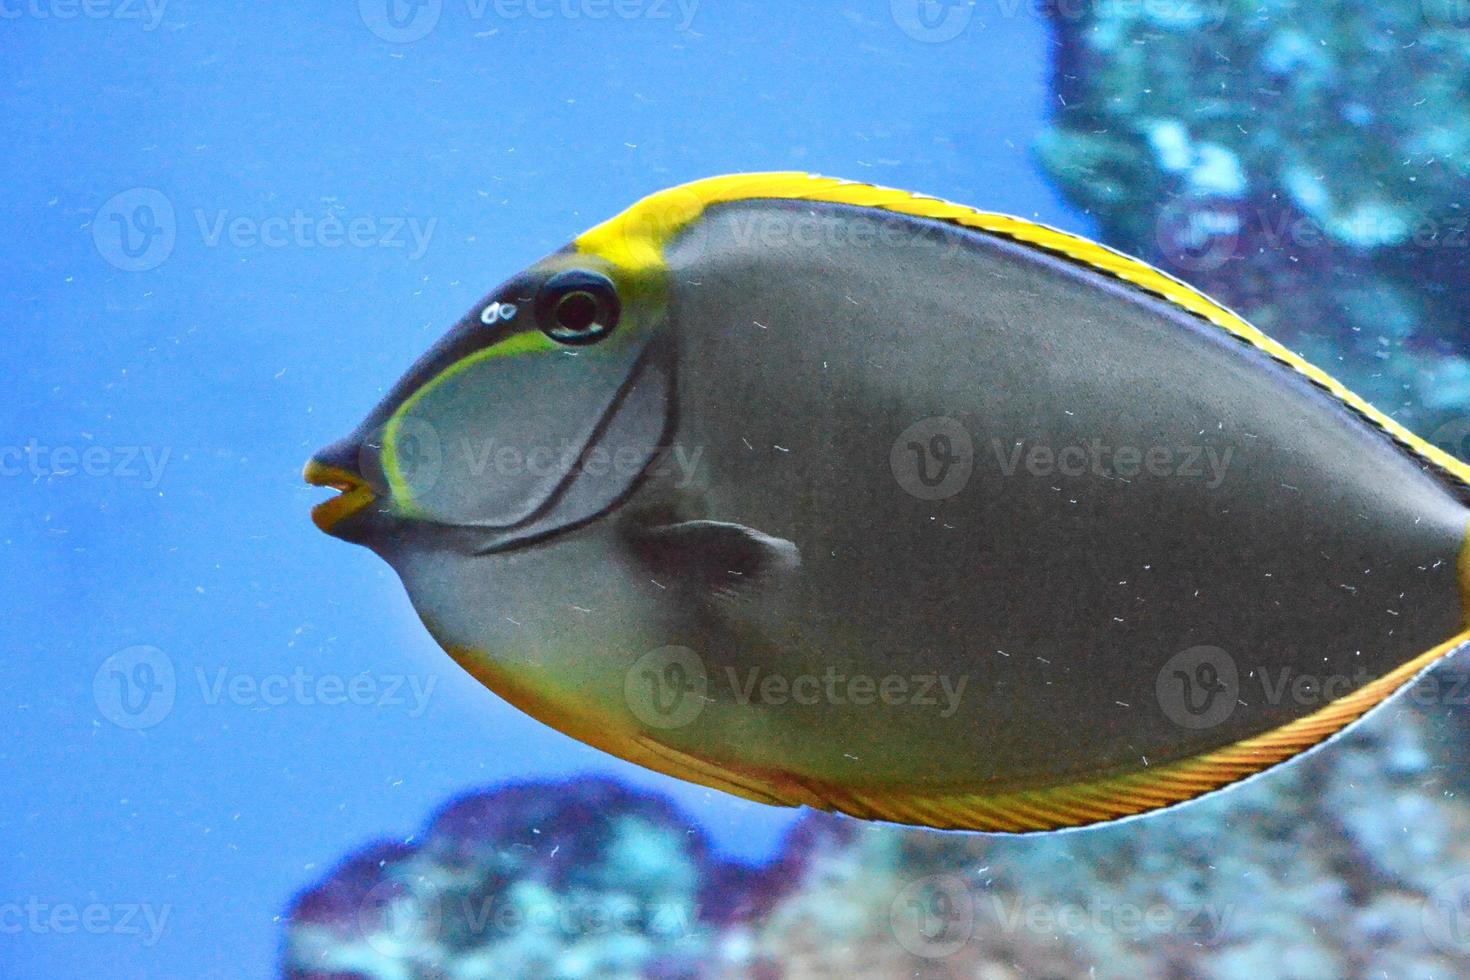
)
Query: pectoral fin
[{"x": 715, "y": 557}]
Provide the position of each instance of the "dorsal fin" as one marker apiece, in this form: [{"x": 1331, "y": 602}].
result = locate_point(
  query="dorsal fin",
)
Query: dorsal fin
[{"x": 636, "y": 240}]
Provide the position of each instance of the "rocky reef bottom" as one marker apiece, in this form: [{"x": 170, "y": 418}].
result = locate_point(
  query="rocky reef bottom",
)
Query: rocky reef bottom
[{"x": 1351, "y": 862}]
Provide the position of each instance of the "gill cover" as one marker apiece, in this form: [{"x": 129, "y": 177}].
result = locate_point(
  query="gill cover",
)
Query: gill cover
[{"x": 547, "y": 427}]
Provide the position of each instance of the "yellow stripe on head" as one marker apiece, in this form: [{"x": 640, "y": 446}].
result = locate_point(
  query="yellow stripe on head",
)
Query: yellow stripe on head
[
  {"x": 635, "y": 241},
  {"x": 527, "y": 342}
]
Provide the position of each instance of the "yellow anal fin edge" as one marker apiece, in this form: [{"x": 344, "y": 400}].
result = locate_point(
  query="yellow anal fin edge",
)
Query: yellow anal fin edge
[
  {"x": 1116, "y": 797},
  {"x": 1050, "y": 808},
  {"x": 638, "y": 749},
  {"x": 716, "y": 776}
]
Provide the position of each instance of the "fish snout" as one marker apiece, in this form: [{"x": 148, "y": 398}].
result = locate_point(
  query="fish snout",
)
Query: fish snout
[{"x": 339, "y": 466}]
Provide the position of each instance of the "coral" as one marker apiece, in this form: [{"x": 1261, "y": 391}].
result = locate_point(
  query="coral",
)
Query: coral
[
  {"x": 1352, "y": 862},
  {"x": 587, "y": 879},
  {"x": 1307, "y": 164}
]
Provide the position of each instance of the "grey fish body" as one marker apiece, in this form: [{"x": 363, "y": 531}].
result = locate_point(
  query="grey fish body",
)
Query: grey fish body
[
  {"x": 1323, "y": 548},
  {"x": 999, "y": 523}
]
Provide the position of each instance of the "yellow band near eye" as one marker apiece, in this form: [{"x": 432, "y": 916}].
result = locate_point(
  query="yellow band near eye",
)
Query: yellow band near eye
[{"x": 528, "y": 342}]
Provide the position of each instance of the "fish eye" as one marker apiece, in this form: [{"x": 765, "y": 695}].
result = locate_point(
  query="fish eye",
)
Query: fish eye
[{"x": 578, "y": 307}]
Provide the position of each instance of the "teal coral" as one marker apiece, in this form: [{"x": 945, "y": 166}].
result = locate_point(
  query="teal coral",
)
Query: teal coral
[
  {"x": 584, "y": 880},
  {"x": 1308, "y": 164},
  {"x": 1354, "y": 862}
]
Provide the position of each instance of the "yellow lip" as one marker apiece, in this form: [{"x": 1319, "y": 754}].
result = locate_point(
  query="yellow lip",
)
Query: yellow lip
[{"x": 355, "y": 493}]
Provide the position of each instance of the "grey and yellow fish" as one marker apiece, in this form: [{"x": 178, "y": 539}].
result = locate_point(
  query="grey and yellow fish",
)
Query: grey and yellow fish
[{"x": 831, "y": 495}]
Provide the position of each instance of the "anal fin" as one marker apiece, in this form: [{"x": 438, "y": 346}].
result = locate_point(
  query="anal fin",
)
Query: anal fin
[
  {"x": 1129, "y": 794},
  {"x": 716, "y": 776}
]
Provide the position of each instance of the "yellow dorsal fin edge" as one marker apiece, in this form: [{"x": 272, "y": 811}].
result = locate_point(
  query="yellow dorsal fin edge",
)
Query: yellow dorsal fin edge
[{"x": 635, "y": 240}]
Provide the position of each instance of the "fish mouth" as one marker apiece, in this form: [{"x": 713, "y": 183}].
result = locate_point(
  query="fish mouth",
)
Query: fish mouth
[{"x": 353, "y": 493}]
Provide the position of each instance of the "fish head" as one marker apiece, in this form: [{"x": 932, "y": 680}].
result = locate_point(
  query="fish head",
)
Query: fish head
[{"x": 538, "y": 412}]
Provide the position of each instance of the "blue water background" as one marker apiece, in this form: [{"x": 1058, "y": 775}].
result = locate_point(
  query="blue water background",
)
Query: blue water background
[{"x": 238, "y": 358}]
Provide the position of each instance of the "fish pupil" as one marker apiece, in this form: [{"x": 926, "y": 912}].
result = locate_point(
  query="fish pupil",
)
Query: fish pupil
[
  {"x": 577, "y": 312},
  {"x": 577, "y": 306}
]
